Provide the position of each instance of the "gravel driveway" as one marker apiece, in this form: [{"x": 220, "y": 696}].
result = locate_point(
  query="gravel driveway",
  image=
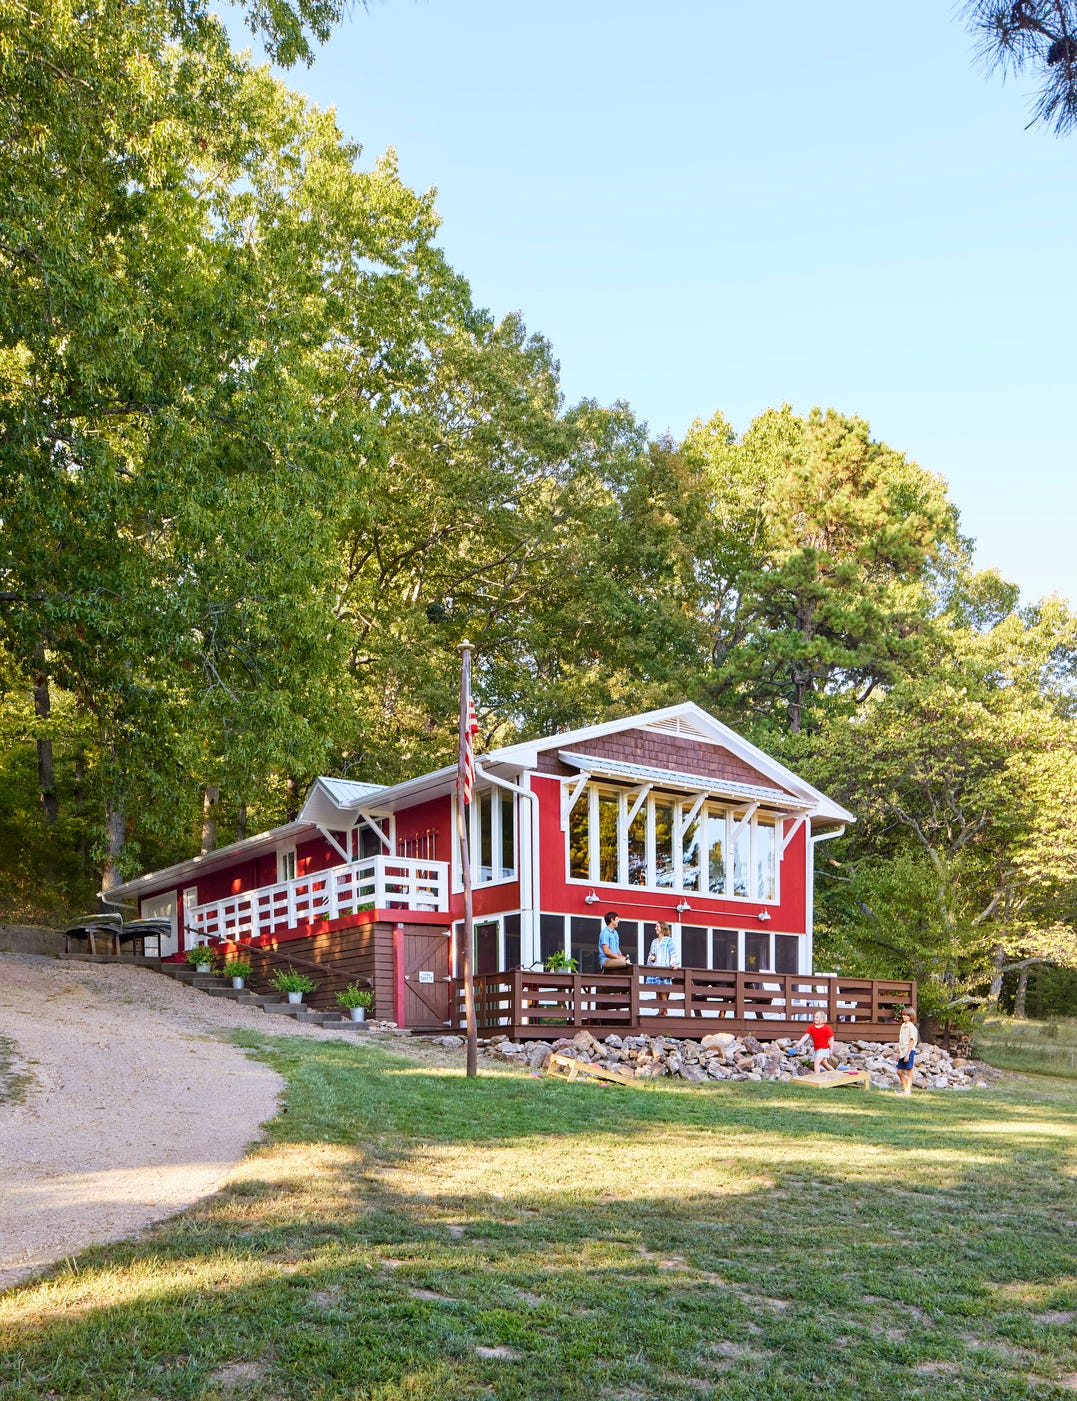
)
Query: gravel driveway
[{"x": 135, "y": 1104}]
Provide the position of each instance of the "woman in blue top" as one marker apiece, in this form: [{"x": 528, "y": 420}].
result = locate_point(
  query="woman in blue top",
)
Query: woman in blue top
[{"x": 663, "y": 954}]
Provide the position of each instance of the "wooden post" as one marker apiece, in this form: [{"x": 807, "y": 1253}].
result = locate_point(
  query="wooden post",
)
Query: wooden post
[
  {"x": 577, "y": 1019},
  {"x": 465, "y": 862},
  {"x": 738, "y": 997},
  {"x": 633, "y": 999},
  {"x": 832, "y": 1000},
  {"x": 688, "y": 991}
]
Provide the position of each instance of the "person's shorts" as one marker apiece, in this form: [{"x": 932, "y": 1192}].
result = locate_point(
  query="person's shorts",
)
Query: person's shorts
[
  {"x": 906, "y": 1062},
  {"x": 819, "y": 1057},
  {"x": 658, "y": 980}
]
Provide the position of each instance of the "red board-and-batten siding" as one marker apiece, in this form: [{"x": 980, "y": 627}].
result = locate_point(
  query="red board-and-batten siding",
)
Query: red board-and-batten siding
[{"x": 681, "y": 755}]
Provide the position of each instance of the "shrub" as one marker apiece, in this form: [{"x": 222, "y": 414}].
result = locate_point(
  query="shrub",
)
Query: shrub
[
  {"x": 288, "y": 980},
  {"x": 237, "y": 968},
  {"x": 201, "y": 953},
  {"x": 355, "y": 996}
]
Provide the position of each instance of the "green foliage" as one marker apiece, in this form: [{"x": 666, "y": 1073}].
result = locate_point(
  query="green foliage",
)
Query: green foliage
[
  {"x": 237, "y": 968},
  {"x": 288, "y": 980},
  {"x": 559, "y": 962},
  {"x": 1037, "y": 36},
  {"x": 201, "y": 956},
  {"x": 355, "y": 996}
]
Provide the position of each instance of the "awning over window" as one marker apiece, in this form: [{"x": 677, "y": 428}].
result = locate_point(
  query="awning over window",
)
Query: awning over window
[{"x": 684, "y": 782}]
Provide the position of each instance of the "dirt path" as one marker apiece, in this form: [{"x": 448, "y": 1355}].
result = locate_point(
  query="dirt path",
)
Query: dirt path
[{"x": 135, "y": 1106}]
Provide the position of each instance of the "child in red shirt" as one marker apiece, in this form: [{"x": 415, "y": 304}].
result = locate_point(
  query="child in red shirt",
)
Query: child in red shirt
[{"x": 822, "y": 1038}]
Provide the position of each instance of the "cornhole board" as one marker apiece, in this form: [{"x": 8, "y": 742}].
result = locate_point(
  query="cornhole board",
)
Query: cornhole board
[
  {"x": 565, "y": 1067},
  {"x": 833, "y": 1079}
]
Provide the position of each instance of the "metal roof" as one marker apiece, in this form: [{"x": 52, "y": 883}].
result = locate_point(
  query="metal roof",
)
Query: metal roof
[
  {"x": 670, "y": 778},
  {"x": 348, "y": 794}
]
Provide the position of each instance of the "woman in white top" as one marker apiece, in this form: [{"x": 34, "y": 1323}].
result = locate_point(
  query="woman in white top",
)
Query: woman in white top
[
  {"x": 663, "y": 954},
  {"x": 908, "y": 1040}
]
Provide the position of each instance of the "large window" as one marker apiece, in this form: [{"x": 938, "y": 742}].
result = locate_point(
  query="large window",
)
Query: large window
[
  {"x": 493, "y": 835},
  {"x": 618, "y": 837}
]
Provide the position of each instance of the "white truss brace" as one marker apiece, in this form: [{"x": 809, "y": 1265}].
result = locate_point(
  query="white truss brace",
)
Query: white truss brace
[
  {"x": 693, "y": 812},
  {"x": 382, "y": 836},
  {"x": 739, "y": 827},
  {"x": 641, "y": 798},
  {"x": 567, "y": 806},
  {"x": 333, "y": 842},
  {"x": 788, "y": 836}
]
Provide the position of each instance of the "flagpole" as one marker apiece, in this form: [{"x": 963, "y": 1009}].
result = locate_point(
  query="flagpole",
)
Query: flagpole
[{"x": 465, "y": 860}]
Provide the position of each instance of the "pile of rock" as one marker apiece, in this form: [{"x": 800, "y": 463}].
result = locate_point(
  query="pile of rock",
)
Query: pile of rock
[{"x": 722, "y": 1056}]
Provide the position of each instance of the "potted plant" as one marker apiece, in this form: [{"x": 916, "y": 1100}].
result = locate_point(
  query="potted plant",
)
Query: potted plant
[
  {"x": 357, "y": 1001},
  {"x": 200, "y": 958},
  {"x": 293, "y": 983},
  {"x": 239, "y": 969},
  {"x": 559, "y": 962}
]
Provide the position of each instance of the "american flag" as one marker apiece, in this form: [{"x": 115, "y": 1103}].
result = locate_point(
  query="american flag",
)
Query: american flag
[{"x": 471, "y": 729}]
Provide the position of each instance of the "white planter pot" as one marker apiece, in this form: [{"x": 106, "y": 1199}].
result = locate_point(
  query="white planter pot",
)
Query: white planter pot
[
  {"x": 358, "y": 1014},
  {"x": 294, "y": 997},
  {"x": 237, "y": 982},
  {"x": 203, "y": 968}
]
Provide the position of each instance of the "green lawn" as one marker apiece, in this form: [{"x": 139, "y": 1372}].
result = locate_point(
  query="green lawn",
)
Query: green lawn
[
  {"x": 407, "y": 1234},
  {"x": 1044, "y": 1047}
]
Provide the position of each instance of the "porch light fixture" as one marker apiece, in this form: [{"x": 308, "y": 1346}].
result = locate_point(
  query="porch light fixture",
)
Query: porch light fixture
[
  {"x": 684, "y": 905},
  {"x": 763, "y": 915},
  {"x": 591, "y": 899}
]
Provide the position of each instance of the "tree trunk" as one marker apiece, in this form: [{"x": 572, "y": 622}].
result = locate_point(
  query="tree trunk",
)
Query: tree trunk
[
  {"x": 292, "y": 789},
  {"x": 1021, "y": 994},
  {"x": 241, "y": 821},
  {"x": 995, "y": 990},
  {"x": 46, "y": 770},
  {"x": 78, "y": 798},
  {"x": 210, "y": 798},
  {"x": 115, "y": 836}
]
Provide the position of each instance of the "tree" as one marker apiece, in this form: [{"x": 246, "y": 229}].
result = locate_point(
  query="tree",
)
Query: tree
[{"x": 1035, "y": 35}]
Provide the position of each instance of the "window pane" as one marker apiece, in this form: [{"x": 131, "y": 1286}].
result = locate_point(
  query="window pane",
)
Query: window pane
[
  {"x": 742, "y": 853},
  {"x": 690, "y": 856},
  {"x": 585, "y": 943},
  {"x": 486, "y": 960},
  {"x": 637, "y": 848},
  {"x": 608, "y": 806},
  {"x": 724, "y": 944},
  {"x": 628, "y": 930},
  {"x": 578, "y": 825},
  {"x": 716, "y": 844},
  {"x": 508, "y": 836},
  {"x": 693, "y": 946},
  {"x": 484, "y": 821},
  {"x": 785, "y": 953},
  {"x": 551, "y": 935},
  {"x": 756, "y": 952},
  {"x": 663, "y": 844},
  {"x": 512, "y": 941},
  {"x": 766, "y": 884}
]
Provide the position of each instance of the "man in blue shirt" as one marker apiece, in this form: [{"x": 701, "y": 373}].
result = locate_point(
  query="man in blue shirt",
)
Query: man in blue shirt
[{"x": 610, "y": 957}]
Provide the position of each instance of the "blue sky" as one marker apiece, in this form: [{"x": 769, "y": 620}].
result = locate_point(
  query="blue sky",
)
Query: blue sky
[{"x": 724, "y": 206}]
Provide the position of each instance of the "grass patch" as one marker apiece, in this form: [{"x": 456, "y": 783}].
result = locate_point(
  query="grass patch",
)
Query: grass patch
[
  {"x": 13, "y": 1082},
  {"x": 407, "y": 1235},
  {"x": 1039, "y": 1047}
]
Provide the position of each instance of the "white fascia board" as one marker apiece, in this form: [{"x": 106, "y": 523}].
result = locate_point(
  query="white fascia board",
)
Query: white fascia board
[{"x": 219, "y": 856}]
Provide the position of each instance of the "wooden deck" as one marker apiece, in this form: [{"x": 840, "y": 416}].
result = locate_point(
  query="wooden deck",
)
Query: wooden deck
[{"x": 537, "y": 1006}]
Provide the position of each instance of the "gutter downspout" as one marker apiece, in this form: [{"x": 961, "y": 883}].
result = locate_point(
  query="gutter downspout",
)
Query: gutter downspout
[
  {"x": 528, "y": 948},
  {"x": 813, "y": 840}
]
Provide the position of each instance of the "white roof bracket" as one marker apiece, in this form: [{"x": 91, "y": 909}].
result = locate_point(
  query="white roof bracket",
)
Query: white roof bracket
[
  {"x": 640, "y": 799},
  {"x": 787, "y": 837},
  {"x": 333, "y": 842},
  {"x": 568, "y": 800},
  {"x": 744, "y": 821},
  {"x": 374, "y": 827},
  {"x": 693, "y": 812}
]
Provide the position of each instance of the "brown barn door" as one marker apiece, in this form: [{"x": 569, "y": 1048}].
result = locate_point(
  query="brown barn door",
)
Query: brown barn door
[{"x": 426, "y": 978}]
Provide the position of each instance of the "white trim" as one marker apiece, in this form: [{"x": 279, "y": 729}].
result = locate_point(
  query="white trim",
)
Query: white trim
[
  {"x": 787, "y": 837},
  {"x": 341, "y": 851},
  {"x": 282, "y": 859},
  {"x": 568, "y": 801}
]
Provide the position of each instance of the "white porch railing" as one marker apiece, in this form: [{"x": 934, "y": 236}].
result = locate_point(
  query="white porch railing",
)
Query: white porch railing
[{"x": 377, "y": 883}]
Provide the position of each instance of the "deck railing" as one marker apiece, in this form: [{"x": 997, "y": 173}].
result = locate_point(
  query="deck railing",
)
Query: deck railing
[
  {"x": 375, "y": 883},
  {"x": 523, "y": 1002}
]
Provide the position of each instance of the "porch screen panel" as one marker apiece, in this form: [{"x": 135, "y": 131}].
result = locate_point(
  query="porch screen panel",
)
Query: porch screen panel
[
  {"x": 742, "y": 855},
  {"x": 512, "y": 941},
  {"x": 486, "y": 959},
  {"x": 716, "y": 839},
  {"x": 629, "y": 932},
  {"x": 693, "y": 946},
  {"x": 551, "y": 935},
  {"x": 585, "y": 942},
  {"x": 663, "y": 845},
  {"x": 690, "y": 856},
  {"x": 786, "y": 951},
  {"x": 637, "y": 848},
  {"x": 724, "y": 950},
  {"x": 508, "y": 838},
  {"x": 756, "y": 952},
  {"x": 766, "y": 864},
  {"x": 608, "y": 808},
  {"x": 578, "y": 840}
]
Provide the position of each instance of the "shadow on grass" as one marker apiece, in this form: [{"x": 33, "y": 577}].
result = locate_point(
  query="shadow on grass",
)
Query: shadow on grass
[{"x": 604, "y": 1244}]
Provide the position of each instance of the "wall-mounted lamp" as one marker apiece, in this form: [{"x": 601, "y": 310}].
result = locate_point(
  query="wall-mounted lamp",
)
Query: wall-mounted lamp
[
  {"x": 684, "y": 905},
  {"x": 763, "y": 915},
  {"x": 593, "y": 899}
]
